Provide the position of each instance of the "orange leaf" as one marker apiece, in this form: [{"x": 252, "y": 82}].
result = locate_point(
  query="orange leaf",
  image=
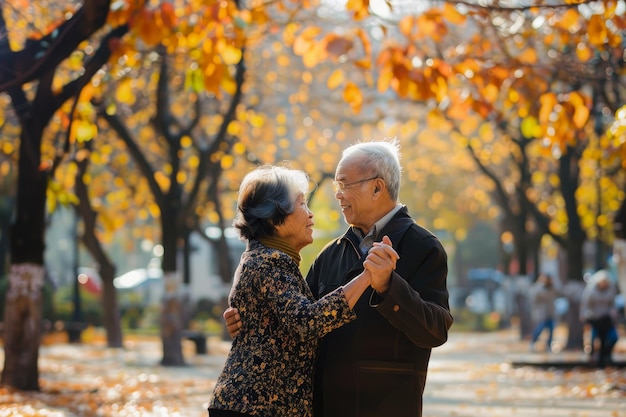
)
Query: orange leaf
[
  {"x": 353, "y": 96},
  {"x": 452, "y": 14},
  {"x": 301, "y": 45},
  {"x": 406, "y": 25},
  {"x": 335, "y": 79},
  {"x": 147, "y": 28},
  {"x": 548, "y": 101},
  {"x": 581, "y": 111},
  {"x": 529, "y": 56},
  {"x": 310, "y": 32},
  {"x": 568, "y": 20},
  {"x": 597, "y": 31},
  {"x": 384, "y": 79},
  {"x": 168, "y": 15},
  {"x": 458, "y": 110},
  {"x": 365, "y": 41},
  {"x": 314, "y": 55},
  {"x": 359, "y": 8}
]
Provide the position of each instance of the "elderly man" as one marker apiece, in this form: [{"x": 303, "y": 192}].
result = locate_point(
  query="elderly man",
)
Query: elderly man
[{"x": 376, "y": 366}]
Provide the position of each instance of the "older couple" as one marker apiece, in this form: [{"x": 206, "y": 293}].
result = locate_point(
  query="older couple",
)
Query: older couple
[{"x": 376, "y": 297}]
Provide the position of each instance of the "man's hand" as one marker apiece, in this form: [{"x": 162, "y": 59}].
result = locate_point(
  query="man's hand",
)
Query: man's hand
[
  {"x": 233, "y": 321},
  {"x": 380, "y": 262}
]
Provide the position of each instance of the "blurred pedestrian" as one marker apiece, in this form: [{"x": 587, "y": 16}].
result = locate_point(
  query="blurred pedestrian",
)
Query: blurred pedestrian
[
  {"x": 597, "y": 308},
  {"x": 543, "y": 294}
]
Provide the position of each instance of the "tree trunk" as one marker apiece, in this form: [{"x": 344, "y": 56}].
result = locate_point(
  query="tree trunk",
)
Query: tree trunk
[
  {"x": 6, "y": 208},
  {"x": 37, "y": 62},
  {"x": 573, "y": 291},
  {"x": 22, "y": 327},
  {"x": 172, "y": 321},
  {"x": 106, "y": 268},
  {"x": 22, "y": 315},
  {"x": 172, "y": 314},
  {"x": 110, "y": 307}
]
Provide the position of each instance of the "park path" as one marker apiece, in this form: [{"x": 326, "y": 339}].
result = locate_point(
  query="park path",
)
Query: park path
[{"x": 471, "y": 375}]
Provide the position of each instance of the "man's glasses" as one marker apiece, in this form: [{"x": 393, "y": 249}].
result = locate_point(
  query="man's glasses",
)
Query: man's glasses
[{"x": 340, "y": 186}]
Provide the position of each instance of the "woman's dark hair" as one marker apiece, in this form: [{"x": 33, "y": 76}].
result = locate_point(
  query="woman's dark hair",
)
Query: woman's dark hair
[{"x": 266, "y": 196}]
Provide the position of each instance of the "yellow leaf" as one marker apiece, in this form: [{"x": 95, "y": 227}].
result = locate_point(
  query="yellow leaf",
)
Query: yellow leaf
[
  {"x": 76, "y": 60},
  {"x": 234, "y": 128},
  {"x": 230, "y": 54},
  {"x": 229, "y": 85},
  {"x": 124, "y": 92},
  {"x": 581, "y": 111},
  {"x": 335, "y": 79},
  {"x": 239, "y": 148},
  {"x": 530, "y": 127},
  {"x": 257, "y": 120},
  {"x": 227, "y": 161},
  {"x": 85, "y": 131},
  {"x": 51, "y": 202}
]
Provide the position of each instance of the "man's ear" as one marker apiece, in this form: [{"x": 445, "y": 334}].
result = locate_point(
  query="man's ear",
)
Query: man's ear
[{"x": 377, "y": 185}]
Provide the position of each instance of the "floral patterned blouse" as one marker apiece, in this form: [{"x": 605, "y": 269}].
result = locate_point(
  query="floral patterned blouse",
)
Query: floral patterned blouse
[{"x": 269, "y": 370}]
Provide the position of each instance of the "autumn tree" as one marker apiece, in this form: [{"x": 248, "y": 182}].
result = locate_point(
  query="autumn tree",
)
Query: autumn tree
[
  {"x": 495, "y": 73},
  {"x": 25, "y": 61}
]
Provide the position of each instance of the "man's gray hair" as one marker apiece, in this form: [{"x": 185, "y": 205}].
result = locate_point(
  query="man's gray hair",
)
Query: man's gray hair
[{"x": 380, "y": 158}]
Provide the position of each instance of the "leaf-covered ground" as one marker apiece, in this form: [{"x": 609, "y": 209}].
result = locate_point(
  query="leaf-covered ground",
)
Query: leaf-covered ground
[{"x": 471, "y": 375}]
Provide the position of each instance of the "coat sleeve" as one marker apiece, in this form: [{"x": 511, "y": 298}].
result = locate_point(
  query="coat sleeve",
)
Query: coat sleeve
[
  {"x": 303, "y": 316},
  {"x": 417, "y": 303}
]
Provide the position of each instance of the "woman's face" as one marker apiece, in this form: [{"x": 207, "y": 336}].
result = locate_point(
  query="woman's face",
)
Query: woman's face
[{"x": 297, "y": 229}]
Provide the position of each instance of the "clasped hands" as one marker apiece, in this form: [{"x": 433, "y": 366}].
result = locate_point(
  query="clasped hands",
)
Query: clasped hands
[{"x": 380, "y": 262}]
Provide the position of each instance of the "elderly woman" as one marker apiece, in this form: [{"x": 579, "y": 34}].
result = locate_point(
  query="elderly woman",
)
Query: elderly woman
[{"x": 269, "y": 370}]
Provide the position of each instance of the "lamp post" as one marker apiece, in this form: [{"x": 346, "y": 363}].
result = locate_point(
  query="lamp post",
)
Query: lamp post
[{"x": 74, "y": 328}]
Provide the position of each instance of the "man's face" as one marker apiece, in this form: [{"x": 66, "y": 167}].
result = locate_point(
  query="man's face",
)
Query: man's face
[{"x": 356, "y": 198}]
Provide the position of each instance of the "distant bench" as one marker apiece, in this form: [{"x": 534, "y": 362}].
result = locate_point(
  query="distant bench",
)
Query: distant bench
[
  {"x": 199, "y": 340},
  {"x": 73, "y": 329}
]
